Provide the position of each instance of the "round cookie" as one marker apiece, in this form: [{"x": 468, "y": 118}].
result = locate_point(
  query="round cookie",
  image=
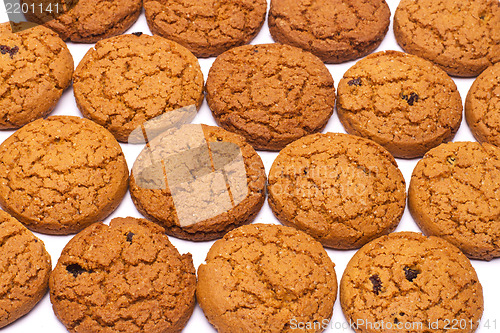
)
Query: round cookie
[
  {"x": 271, "y": 94},
  {"x": 462, "y": 37},
  {"x": 402, "y": 102},
  {"x": 85, "y": 21},
  {"x": 209, "y": 27},
  {"x": 198, "y": 182},
  {"x": 335, "y": 31},
  {"x": 406, "y": 282},
  {"x": 267, "y": 278},
  {"x": 482, "y": 106},
  {"x": 454, "y": 194},
  {"x": 341, "y": 189},
  {"x": 126, "y": 81},
  {"x": 125, "y": 277},
  {"x": 60, "y": 174},
  {"x": 36, "y": 67},
  {"x": 25, "y": 267}
]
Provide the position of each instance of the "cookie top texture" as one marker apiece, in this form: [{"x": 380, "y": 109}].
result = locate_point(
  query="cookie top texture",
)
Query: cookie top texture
[
  {"x": 403, "y": 102},
  {"x": 271, "y": 94},
  {"x": 335, "y": 31},
  {"x": 36, "y": 67},
  {"x": 462, "y": 37},
  {"x": 208, "y": 27}
]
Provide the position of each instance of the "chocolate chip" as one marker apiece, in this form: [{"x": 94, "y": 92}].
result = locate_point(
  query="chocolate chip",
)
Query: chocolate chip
[
  {"x": 396, "y": 321},
  {"x": 130, "y": 235},
  {"x": 76, "y": 269},
  {"x": 410, "y": 99},
  {"x": 10, "y": 50},
  {"x": 138, "y": 34},
  {"x": 355, "y": 82},
  {"x": 305, "y": 172},
  {"x": 451, "y": 160},
  {"x": 377, "y": 284},
  {"x": 411, "y": 274},
  {"x": 401, "y": 314}
]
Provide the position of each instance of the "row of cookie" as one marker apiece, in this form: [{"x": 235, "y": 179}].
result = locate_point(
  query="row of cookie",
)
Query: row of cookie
[
  {"x": 61, "y": 174},
  {"x": 461, "y": 37},
  {"x": 271, "y": 94},
  {"x": 127, "y": 277}
]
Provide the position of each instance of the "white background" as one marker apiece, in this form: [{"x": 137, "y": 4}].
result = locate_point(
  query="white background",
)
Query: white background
[{"x": 42, "y": 319}]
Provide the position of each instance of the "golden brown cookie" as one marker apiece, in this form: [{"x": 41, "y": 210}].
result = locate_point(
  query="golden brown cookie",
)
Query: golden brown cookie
[
  {"x": 60, "y": 174},
  {"x": 266, "y": 278},
  {"x": 208, "y": 27},
  {"x": 402, "y": 102},
  {"x": 341, "y": 189},
  {"x": 454, "y": 194},
  {"x": 198, "y": 182},
  {"x": 335, "y": 31},
  {"x": 406, "y": 282},
  {"x": 24, "y": 270},
  {"x": 462, "y": 37},
  {"x": 36, "y": 67},
  {"x": 125, "y": 277},
  {"x": 85, "y": 21},
  {"x": 482, "y": 106},
  {"x": 125, "y": 81},
  {"x": 271, "y": 94}
]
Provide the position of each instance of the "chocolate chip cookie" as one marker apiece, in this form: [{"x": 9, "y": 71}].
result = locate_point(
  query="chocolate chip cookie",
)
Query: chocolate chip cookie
[
  {"x": 125, "y": 277},
  {"x": 336, "y": 31},
  {"x": 271, "y": 94},
  {"x": 341, "y": 189},
  {"x": 198, "y": 182},
  {"x": 462, "y": 37},
  {"x": 406, "y": 282},
  {"x": 266, "y": 278},
  {"x": 36, "y": 67},
  {"x": 126, "y": 81},
  {"x": 60, "y": 174},
  {"x": 454, "y": 194},
  {"x": 403, "y": 102},
  {"x": 85, "y": 21},
  {"x": 482, "y": 106},
  {"x": 209, "y": 27},
  {"x": 25, "y": 267}
]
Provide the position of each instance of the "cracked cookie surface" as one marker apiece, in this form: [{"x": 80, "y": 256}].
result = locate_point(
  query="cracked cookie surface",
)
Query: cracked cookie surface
[
  {"x": 60, "y": 174},
  {"x": 125, "y": 277},
  {"x": 127, "y": 80},
  {"x": 341, "y": 189},
  {"x": 207, "y": 27},
  {"x": 482, "y": 106},
  {"x": 25, "y": 267},
  {"x": 36, "y": 67},
  {"x": 261, "y": 277},
  {"x": 198, "y": 182},
  {"x": 454, "y": 194},
  {"x": 402, "y": 102},
  {"x": 86, "y": 21},
  {"x": 462, "y": 37},
  {"x": 408, "y": 279},
  {"x": 271, "y": 94},
  {"x": 335, "y": 31}
]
